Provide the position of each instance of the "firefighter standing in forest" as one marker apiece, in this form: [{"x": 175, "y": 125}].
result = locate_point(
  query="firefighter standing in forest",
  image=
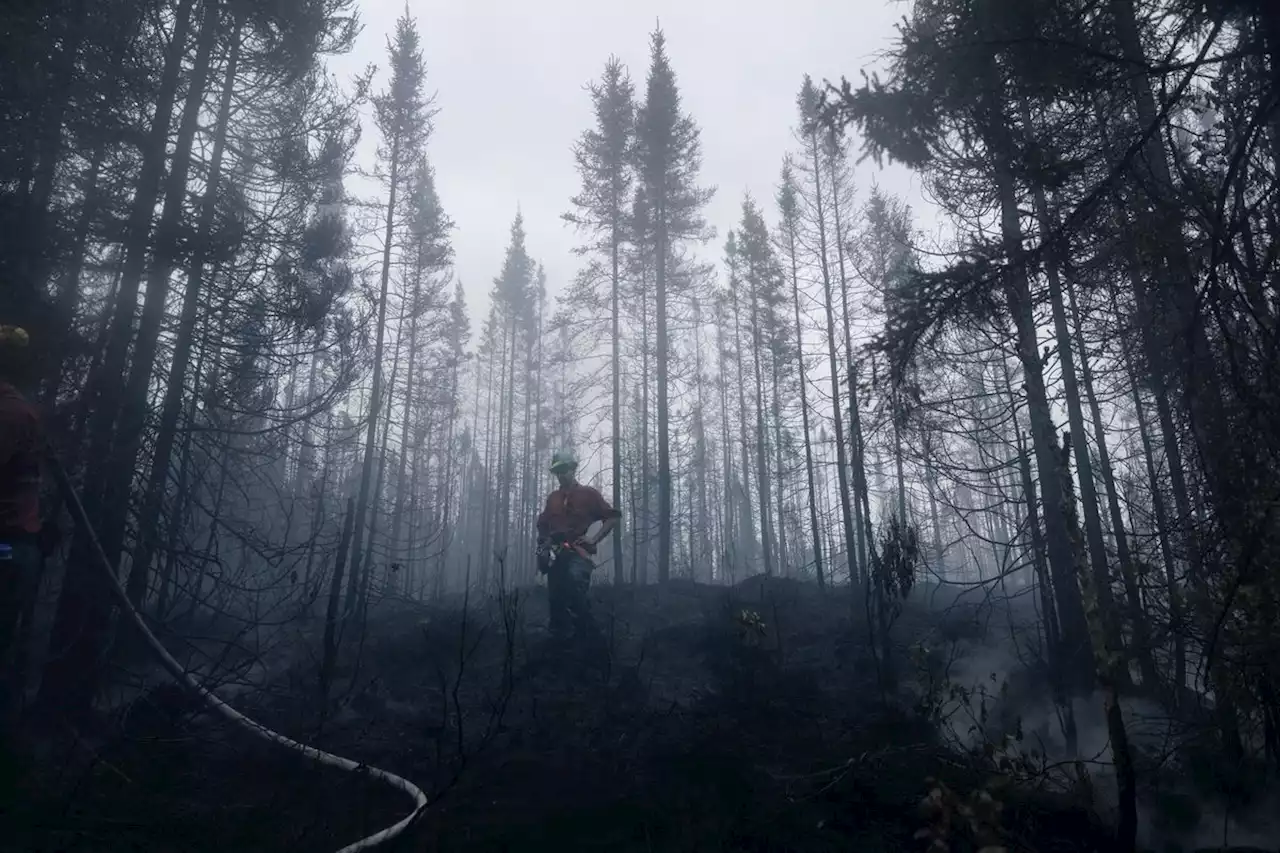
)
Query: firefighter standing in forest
[
  {"x": 21, "y": 539},
  {"x": 564, "y": 548}
]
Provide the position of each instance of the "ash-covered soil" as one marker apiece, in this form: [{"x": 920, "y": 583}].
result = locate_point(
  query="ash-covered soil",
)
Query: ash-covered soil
[{"x": 708, "y": 718}]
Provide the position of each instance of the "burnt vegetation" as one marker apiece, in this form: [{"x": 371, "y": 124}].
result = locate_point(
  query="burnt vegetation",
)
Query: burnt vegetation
[{"x": 963, "y": 538}]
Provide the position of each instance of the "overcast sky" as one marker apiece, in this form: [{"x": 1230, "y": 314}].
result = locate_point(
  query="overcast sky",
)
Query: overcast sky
[{"x": 509, "y": 79}]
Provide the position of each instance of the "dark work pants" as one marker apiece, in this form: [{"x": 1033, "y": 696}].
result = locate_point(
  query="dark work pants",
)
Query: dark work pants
[
  {"x": 568, "y": 580},
  {"x": 19, "y": 582}
]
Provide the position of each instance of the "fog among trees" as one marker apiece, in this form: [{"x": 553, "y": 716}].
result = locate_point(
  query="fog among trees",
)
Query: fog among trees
[{"x": 948, "y": 522}]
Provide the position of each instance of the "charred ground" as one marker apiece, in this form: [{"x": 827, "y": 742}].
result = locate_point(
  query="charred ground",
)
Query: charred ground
[{"x": 698, "y": 727}]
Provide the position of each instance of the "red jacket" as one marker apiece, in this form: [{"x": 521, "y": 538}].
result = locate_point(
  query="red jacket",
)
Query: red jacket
[
  {"x": 569, "y": 512},
  {"x": 20, "y": 451}
]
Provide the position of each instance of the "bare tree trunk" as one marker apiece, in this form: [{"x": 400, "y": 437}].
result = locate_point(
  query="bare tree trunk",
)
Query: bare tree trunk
[
  {"x": 727, "y": 533},
  {"x": 762, "y": 465},
  {"x": 781, "y": 480},
  {"x": 815, "y": 531},
  {"x": 1141, "y": 631},
  {"x": 842, "y": 465},
  {"x": 402, "y": 487},
  {"x": 1110, "y": 662},
  {"x": 379, "y": 480},
  {"x": 939, "y": 556},
  {"x": 616, "y": 353},
  {"x": 1079, "y": 438},
  {"x": 487, "y": 474},
  {"x": 149, "y": 517},
  {"x": 508, "y": 465},
  {"x": 315, "y": 527},
  {"x": 211, "y": 541},
  {"x": 857, "y": 564},
  {"x": 68, "y": 292},
  {"x": 448, "y": 474},
  {"x": 71, "y": 675},
  {"x": 747, "y": 533},
  {"x": 643, "y": 546},
  {"x": 663, "y": 412},
  {"x": 182, "y": 494},
  {"x": 331, "y": 635},
  {"x": 127, "y": 444},
  {"x": 1050, "y": 618},
  {"x": 898, "y": 465},
  {"x": 1077, "y": 655},
  {"x": 1177, "y": 627},
  {"x": 375, "y": 394}
]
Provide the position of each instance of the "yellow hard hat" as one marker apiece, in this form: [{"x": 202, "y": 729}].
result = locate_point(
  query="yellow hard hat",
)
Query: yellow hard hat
[{"x": 14, "y": 336}]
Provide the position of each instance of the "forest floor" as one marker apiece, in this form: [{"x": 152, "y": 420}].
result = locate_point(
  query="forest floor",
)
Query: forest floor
[{"x": 694, "y": 728}]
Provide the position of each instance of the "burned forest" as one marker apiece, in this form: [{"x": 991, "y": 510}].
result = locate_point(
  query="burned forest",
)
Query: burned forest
[{"x": 640, "y": 427}]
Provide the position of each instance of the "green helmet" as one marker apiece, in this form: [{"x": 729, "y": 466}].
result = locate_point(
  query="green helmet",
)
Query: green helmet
[
  {"x": 563, "y": 460},
  {"x": 14, "y": 336}
]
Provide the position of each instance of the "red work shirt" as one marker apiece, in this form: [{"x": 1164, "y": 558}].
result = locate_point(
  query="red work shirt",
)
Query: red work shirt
[
  {"x": 569, "y": 512},
  {"x": 20, "y": 446}
]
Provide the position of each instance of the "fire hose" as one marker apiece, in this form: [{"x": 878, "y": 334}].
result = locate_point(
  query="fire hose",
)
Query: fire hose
[{"x": 252, "y": 726}]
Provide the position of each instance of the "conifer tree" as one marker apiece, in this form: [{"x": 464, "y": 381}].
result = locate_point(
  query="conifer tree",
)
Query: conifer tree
[
  {"x": 513, "y": 299},
  {"x": 669, "y": 156},
  {"x": 761, "y": 278},
  {"x": 402, "y": 113},
  {"x": 604, "y": 159},
  {"x": 788, "y": 209}
]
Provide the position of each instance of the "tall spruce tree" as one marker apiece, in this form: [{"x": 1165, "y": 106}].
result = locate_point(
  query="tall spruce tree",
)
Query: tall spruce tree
[
  {"x": 604, "y": 159},
  {"x": 761, "y": 277},
  {"x": 669, "y": 156},
  {"x": 402, "y": 113},
  {"x": 789, "y": 210},
  {"x": 514, "y": 304}
]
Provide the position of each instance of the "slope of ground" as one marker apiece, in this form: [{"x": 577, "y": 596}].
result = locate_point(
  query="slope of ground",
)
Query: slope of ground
[{"x": 708, "y": 718}]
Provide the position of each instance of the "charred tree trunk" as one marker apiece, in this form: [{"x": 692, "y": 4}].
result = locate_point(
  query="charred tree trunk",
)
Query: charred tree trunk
[
  {"x": 375, "y": 394},
  {"x": 762, "y": 465},
  {"x": 71, "y": 676},
  {"x": 815, "y": 530},
  {"x": 663, "y": 412},
  {"x": 842, "y": 462},
  {"x": 1079, "y": 438},
  {"x": 149, "y": 517},
  {"x": 331, "y": 630}
]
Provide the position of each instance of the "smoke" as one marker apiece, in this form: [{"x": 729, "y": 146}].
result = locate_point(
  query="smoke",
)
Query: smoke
[{"x": 999, "y": 695}]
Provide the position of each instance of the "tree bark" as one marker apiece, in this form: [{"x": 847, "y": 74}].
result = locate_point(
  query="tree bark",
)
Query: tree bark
[
  {"x": 842, "y": 463},
  {"x": 762, "y": 466},
  {"x": 777, "y": 472},
  {"x": 1077, "y": 655},
  {"x": 402, "y": 486},
  {"x": 71, "y": 675},
  {"x": 1137, "y": 616},
  {"x": 149, "y": 517},
  {"x": 615, "y": 301},
  {"x": 858, "y": 561},
  {"x": 1079, "y": 438},
  {"x": 375, "y": 394},
  {"x": 331, "y": 635},
  {"x": 663, "y": 412},
  {"x": 127, "y": 444},
  {"x": 804, "y": 409}
]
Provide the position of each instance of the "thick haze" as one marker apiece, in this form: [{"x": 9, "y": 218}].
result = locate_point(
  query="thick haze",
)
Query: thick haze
[{"x": 509, "y": 79}]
